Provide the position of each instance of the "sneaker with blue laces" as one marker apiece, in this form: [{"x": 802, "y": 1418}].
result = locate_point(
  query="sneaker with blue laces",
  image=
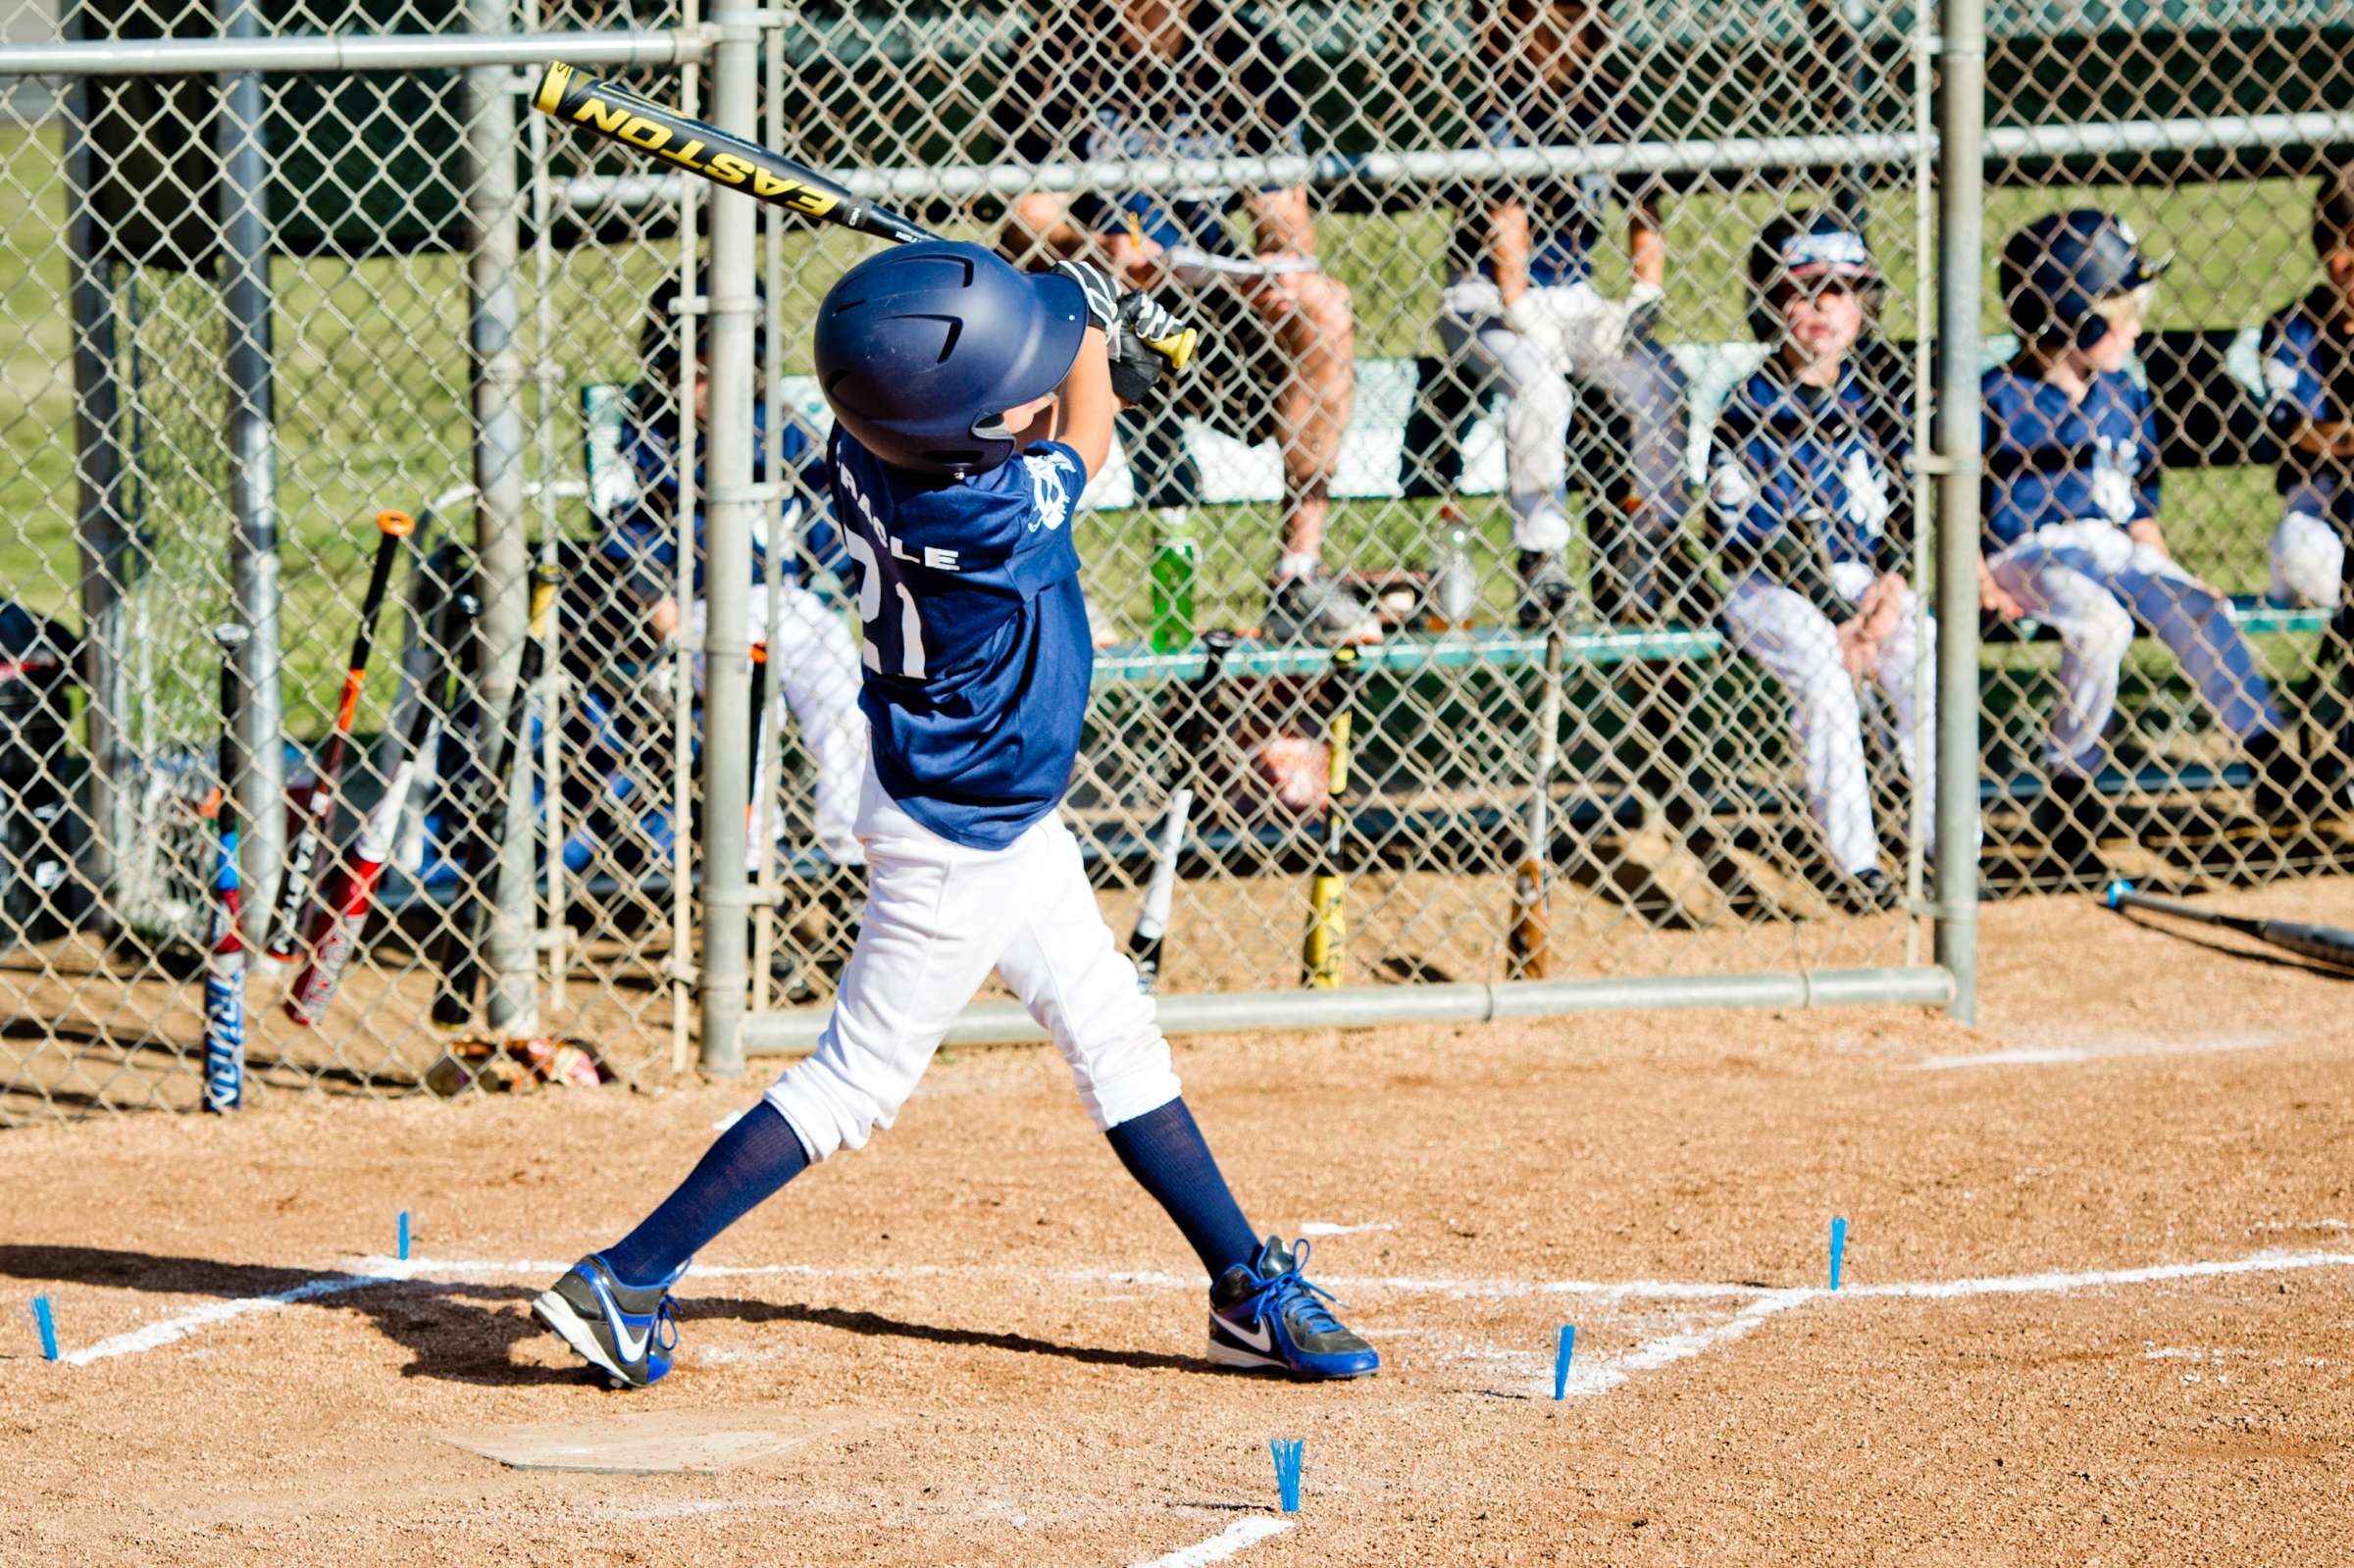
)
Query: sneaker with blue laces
[
  {"x": 1266, "y": 1316},
  {"x": 627, "y": 1332}
]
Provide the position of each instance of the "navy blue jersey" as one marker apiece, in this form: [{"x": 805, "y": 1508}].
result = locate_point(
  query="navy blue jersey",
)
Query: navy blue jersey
[
  {"x": 644, "y": 537},
  {"x": 1809, "y": 459},
  {"x": 1086, "y": 99},
  {"x": 2051, "y": 461},
  {"x": 2309, "y": 375},
  {"x": 977, "y": 651},
  {"x": 1567, "y": 213}
]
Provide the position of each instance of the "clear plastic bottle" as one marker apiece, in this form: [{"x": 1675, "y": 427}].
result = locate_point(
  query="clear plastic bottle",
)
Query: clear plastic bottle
[{"x": 1454, "y": 595}]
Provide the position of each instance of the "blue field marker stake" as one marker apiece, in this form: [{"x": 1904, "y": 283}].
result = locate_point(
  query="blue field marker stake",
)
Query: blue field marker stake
[
  {"x": 1287, "y": 1452},
  {"x": 404, "y": 1238},
  {"x": 44, "y": 1321},
  {"x": 1838, "y": 1249},
  {"x": 1564, "y": 1348}
]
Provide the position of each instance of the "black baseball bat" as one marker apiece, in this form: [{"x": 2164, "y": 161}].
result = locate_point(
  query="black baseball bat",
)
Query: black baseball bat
[
  {"x": 1323, "y": 954},
  {"x": 1152, "y": 918},
  {"x": 1529, "y": 945},
  {"x": 311, "y": 824},
  {"x": 617, "y": 114},
  {"x": 2326, "y": 944},
  {"x": 458, "y": 954}
]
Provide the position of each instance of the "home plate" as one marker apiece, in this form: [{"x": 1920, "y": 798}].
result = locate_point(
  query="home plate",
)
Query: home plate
[{"x": 652, "y": 1443}]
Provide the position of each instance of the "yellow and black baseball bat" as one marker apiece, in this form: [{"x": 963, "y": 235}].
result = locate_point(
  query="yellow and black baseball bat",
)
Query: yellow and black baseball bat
[
  {"x": 2326, "y": 944},
  {"x": 617, "y": 114},
  {"x": 1322, "y": 955}
]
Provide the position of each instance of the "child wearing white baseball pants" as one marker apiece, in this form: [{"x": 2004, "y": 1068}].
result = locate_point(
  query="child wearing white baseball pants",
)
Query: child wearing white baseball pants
[
  {"x": 1797, "y": 644},
  {"x": 1530, "y": 348},
  {"x": 971, "y": 401},
  {"x": 2080, "y": 578},
  {"x": 939, "y": 918},
  {"x": 812, "y": 671}
]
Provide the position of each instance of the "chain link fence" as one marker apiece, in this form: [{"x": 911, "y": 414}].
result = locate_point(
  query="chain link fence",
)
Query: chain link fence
[{"x": 1503, "y": 392}]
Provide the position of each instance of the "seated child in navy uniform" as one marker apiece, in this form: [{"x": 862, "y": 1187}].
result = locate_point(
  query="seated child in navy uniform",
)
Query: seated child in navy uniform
[
  {"x": 1805, "y": 476},
  {"x": 2070, "y": 517}
]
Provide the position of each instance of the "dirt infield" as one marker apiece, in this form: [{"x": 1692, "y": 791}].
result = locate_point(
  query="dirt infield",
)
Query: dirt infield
[{"x": 2097, "y": 1302}]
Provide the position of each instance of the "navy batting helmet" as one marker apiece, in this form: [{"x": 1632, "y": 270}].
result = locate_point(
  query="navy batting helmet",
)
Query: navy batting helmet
[
  {"x": 2058, "y": 270},
  {"x": 1800, "y": 251},
  {"x": 922, "y": 347}
]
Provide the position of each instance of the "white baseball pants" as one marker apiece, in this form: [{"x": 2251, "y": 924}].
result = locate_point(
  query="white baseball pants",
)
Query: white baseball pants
[
  {"x": 1567, "y": 326},
  {"x": 813, "y": 670},
  {"x": 939, "y": 918},
  {"x": 2090, "y": 581},
  {"x": 2309, "y": 562},
  {"x": 1792, "y": 638}
]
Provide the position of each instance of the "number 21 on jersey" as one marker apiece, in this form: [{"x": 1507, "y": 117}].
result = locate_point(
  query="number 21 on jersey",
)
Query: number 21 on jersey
[{"x": 893, "y": 644}]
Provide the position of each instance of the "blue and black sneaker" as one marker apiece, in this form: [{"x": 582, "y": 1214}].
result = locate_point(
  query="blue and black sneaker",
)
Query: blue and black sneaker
[
  {"x": 627, "y": 1332},
  {"x": 1266, "y": 1316}
]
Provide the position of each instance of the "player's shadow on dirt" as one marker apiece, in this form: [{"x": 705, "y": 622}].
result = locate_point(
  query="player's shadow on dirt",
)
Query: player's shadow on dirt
[
  {"x": 457, "y": 1331},
  {"x": 466, "y": 1332},
  {"x": 875, "y": 1323}
]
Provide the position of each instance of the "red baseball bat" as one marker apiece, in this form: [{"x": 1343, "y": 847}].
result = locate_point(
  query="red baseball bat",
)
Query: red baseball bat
[
  {"x": 311, "y": 818},
  {"x": 342, "y": 906}
]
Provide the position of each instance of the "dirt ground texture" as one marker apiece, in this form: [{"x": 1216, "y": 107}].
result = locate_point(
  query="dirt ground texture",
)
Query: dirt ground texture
[{"x": 2098, "y": 1300}]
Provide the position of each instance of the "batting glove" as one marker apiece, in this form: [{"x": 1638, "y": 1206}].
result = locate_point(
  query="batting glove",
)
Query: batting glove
[
  {"x": 1152, "y": 344},
  {"x": 1103, "y": 294}
]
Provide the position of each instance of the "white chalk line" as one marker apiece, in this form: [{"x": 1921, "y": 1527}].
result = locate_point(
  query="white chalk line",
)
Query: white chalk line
[
  {"x": 2049, "y": 1055},
  {"x": 375, "y": 1271},
  {"x": 1220, "y": 1546},
  {"x": 164, "y": 1330}
]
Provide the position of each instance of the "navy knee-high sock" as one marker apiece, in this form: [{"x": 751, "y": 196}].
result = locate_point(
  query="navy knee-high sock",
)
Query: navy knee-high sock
[
  {"x": 751, "y": 1160},
  {"x": 1164, "y": 1151}
]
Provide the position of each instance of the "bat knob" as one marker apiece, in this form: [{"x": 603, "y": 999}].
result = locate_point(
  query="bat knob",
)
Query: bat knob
[
  {"x": 2114, "y": 894},
  {"x": 1177, "y": 350}
]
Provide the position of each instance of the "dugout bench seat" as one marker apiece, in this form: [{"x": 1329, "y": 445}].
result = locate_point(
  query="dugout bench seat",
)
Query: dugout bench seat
[{"x": 1415, "y": 433}]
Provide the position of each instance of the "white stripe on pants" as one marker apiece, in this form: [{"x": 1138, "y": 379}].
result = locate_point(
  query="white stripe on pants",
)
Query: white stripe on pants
[
  {"x": 939, "y": 918},
  {"x": 1796, "y": 641}
]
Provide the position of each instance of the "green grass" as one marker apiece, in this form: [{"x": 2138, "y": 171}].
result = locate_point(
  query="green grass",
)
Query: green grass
[{"x": 372, "y": 400}]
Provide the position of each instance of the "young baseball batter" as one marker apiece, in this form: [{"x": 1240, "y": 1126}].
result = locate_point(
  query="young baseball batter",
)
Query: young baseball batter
[
  {"x": 972, "y": 402},
  {"x": 2307, "y": 351},
  {"x": 2070, "y": 515},
  {"x": 1805, "y": 477}
]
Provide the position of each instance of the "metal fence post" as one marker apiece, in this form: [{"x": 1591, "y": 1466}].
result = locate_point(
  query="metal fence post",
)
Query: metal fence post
[
  {"x": 729, "y": 504},
  {"x": 101, "y": 530},
  {"x": 1960, "y": 219},
  {"x": 501, "y": 559},
  {"x": 247, "y": 302}
]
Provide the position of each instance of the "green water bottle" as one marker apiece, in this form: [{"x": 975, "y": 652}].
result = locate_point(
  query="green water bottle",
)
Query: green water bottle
[{"x": 1173, "y": 557}]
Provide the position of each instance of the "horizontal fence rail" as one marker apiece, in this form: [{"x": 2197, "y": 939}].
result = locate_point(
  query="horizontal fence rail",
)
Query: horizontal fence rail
[{"x": 1600, "y": 748}]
